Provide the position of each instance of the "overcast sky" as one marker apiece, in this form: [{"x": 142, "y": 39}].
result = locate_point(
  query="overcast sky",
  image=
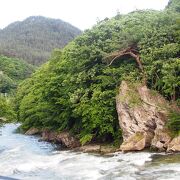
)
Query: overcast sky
[{"x": 81, "y": 13}]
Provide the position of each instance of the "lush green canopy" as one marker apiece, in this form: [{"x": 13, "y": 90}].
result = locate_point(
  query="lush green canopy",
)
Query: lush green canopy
[{"x": 76, "y": 89}]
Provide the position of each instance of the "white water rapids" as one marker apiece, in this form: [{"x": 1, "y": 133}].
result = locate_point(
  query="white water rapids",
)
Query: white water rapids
[{"x": 23, "y": 157}]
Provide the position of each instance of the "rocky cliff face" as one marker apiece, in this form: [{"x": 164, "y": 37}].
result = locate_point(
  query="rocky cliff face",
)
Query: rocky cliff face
[{"x": 142, "y": 117}]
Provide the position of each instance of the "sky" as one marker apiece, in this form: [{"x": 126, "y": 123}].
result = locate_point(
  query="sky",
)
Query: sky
[{"x": 80, "y": 13}]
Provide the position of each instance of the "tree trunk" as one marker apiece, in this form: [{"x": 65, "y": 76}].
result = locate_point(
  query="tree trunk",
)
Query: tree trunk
[{"x": 129, "y": 51}]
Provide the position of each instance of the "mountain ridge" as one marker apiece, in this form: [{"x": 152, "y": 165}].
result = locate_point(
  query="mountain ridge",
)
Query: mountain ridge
[{"x": 34, "y": 38}]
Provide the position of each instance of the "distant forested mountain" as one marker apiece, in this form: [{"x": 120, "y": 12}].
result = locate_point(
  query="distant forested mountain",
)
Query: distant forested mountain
[{"x": 34, "y": 38}]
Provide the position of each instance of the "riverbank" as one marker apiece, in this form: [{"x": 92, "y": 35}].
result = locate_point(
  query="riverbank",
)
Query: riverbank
[{"x": 69, "y": 142}]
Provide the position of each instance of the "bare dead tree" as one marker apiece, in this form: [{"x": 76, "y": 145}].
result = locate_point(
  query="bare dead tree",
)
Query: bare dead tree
[{"x": 128, "y": 51}]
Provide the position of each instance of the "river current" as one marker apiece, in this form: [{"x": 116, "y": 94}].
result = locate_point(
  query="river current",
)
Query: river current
[{"x": 24, "y": 157}]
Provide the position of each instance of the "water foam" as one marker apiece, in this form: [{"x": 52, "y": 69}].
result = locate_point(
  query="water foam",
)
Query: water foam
[{"x": 23, "y": 157}]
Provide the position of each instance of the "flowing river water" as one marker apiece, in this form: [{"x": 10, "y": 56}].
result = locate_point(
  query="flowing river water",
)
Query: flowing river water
[{"x": 24, "y": 157}]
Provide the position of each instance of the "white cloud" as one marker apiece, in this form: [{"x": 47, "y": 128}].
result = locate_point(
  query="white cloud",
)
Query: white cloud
[{"x": 81, "y": 13}]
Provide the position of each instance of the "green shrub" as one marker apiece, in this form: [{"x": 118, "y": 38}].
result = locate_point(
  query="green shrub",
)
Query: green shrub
[{"x": 174, "y": 122}]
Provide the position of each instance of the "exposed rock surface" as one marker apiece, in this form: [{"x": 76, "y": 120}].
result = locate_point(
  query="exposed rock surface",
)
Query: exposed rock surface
[
  {"x": 90, "y": 148},
  {"x": 69, "y": 141},
  {"x": 97, "y": 148},
  {"x": 107, "y": 149},
  {"x": 174, "y": 145},
  {"x": 142, "y": 113},
  {"x": 32, "y": 131},
  {"x": 2, "y": 119},
  {"x": 64, "y": 138},
  {"x": 137, "y": 142},
  {"x": 161, "y": 139}
]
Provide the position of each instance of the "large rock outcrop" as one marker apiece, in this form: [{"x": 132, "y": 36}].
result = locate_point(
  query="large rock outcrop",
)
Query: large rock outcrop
[
  {"x": 161, "y": 139},
  {"x": 174, "y": 145},
  {"x": 137, "y": 142},
  {"x": 142, "y": 117}
]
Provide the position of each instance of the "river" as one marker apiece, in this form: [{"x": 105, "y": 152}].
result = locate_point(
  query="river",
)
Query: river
[{"x": 24, "y": 157}]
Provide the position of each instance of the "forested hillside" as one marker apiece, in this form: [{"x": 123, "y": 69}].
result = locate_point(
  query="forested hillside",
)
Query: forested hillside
[
  {"x": 174, "y": 5},
  {"x": 12, "y": 72},
  {"x": 34, "y": 38},
  {"x": 76, "y": 89}
]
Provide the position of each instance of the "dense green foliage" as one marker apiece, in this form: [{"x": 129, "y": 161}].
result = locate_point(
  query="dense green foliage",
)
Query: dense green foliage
[
  {"x": 12, "y": 71},
  {"x": 174, "y": 5},
  {"x": 174, "y": 122},
  {"x": 76, "y": 89},
  {"x": 6, "y": 109},
  {"x": 35, "y": 37}
]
